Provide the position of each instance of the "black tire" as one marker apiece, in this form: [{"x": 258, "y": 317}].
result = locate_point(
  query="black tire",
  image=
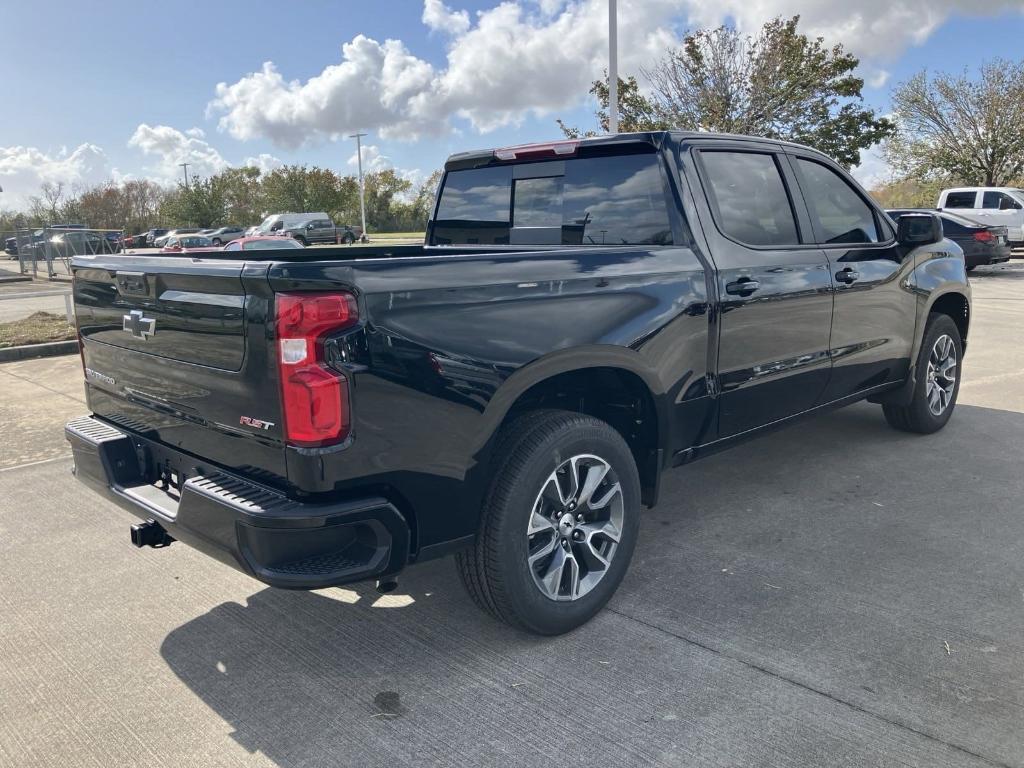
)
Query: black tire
[
  {"x": 495, "y": 570},
  {"x": 917, "y": 416},
  {"x": 348, "y": 239},
  {"x": 217, "y": 241}
]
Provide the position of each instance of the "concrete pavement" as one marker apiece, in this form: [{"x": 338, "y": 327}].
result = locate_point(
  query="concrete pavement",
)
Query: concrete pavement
[{"x": 833, "y": 594}]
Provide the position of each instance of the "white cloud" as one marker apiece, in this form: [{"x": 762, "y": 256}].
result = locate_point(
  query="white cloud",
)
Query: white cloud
[
  {"x": 440, "y": 18},
  {"x": 264, "y": 161},
  {"x": 538, "y": 57},
  {"x": 170, "y": 147},
  {"x": 878, "y": 78},
  {"x": 23, "y": 170},
  {"x": 373, "y": 159}
]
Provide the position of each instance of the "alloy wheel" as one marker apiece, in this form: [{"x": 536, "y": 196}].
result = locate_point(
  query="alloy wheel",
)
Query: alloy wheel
[
  {"x": 575, "y": 527},
  {"x": 941, "y": 375}
]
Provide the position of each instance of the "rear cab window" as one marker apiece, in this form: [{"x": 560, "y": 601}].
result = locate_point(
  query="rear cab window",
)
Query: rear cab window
[{"x": 591, "y": 201}]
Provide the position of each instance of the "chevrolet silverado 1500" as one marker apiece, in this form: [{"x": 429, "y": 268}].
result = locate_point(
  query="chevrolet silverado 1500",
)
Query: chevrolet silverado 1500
[{"x": 582, "y": 316}]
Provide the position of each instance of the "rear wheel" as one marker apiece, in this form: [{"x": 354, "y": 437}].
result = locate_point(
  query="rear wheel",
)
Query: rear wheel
[
  {"x": 348, "y": 239},
  {"x": 217, "y": 241},
  {"x": 938, "y": 380},
  {"x": 559, "y": 524}
]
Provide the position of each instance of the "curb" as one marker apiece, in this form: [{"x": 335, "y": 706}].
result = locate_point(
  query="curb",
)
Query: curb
[
  {"x": 30, "y": 351},
  {"x": 15, "y": 279}
]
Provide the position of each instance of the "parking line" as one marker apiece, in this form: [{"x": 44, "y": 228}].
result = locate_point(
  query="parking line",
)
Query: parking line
[{"x": 65, "y": 457}]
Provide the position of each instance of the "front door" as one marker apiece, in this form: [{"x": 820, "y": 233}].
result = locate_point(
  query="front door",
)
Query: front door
[
  {"x": 874, "y": 315},
  {"x": 774, "y": 285}
]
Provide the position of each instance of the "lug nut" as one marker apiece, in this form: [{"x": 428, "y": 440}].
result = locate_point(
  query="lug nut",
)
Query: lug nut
[
  {"x": 578, "y": 535},
  {"x": 579, "y": 518}
]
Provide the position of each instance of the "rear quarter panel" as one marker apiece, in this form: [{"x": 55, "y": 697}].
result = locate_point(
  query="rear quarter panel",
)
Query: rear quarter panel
[{"x": 447, "y": 344}]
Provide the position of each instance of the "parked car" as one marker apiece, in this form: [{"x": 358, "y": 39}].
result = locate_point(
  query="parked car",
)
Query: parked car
[
  {"x": 312, "y": 231},
  {"x": 136, "y": 241},
  {"x": 262, "y": 243},
  {"x": 998, "y": 206},
  {"x": 277, "y": 222},
  {"x": 161, "y": 241},
  {"x": 115, "y": 239},
  {"x": 223, "y": 235},
  {"x": 188, "y": 243},
  {"x": 981, "y": 244},
  {"x": 512, "y": 390},
  {"x": 81, "y": 243},
  {"x": 152, "y": 236},
  {"x": 11, "y": 247}
]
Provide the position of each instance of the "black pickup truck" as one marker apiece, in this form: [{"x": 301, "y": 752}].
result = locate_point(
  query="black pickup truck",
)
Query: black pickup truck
[{"x": 583, "y": 315}]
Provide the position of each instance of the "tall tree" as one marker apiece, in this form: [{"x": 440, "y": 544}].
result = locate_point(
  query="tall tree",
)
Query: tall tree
[
  {"x": 636, "y": 113},
  {"x": 778, "y": 84},
  {"x": 968, "y": 130}
]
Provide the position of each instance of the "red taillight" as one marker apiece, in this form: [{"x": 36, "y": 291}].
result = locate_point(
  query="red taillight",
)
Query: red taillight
[
  {"x": 551, "y": 149},
  {"x": 314, "y": 397},
  {"x": 984, "y": 236}
]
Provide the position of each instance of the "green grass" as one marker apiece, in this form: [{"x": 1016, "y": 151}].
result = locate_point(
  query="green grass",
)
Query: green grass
[
  {"x": 37, "y": 328},
  {"x": 396, "y": 235}
]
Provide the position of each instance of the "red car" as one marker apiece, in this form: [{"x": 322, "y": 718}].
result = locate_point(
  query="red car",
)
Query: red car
[
  {"x": 262, "y": 244},
  {"x": 188, "y": 244}
]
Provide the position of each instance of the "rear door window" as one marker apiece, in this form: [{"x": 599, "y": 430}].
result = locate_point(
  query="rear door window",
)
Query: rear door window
[
  {"x": 749, "y": 198},
  {"x": 960, "y": 199},
  {"x": 614, "y": 200},
  {"x": 839, "y": 213}
]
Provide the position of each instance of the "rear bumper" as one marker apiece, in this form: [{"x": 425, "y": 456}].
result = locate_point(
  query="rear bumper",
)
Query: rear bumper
[{"x": 281, "y": 542}]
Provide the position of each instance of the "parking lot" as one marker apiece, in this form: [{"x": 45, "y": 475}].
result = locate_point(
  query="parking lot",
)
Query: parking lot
[{"x": 835, "y": 594}]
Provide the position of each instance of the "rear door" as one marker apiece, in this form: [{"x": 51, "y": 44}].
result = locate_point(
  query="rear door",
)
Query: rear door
[
  {"x": 874, "y": 315},
  {"x": 774, "y": 285}
]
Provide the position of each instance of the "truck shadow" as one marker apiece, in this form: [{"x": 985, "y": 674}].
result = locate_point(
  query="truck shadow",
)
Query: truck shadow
[{"x": 828, "y": 529}]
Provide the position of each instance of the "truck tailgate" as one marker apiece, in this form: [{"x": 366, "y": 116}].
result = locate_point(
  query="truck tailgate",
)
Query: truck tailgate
[{"x": 175, "y": 350}]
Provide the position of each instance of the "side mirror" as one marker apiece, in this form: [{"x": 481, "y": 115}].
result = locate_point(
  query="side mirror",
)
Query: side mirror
[
  {"x": 914, "y": 229},
  {"x": 309, "y": 226}
]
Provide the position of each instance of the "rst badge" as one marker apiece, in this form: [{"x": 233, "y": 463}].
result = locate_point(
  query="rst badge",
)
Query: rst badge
[
  {"x": 138, "y": 325},
  {"x": 248, "y": 421}
]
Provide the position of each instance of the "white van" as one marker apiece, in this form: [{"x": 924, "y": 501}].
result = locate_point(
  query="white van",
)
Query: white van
[
  {"x": 995, "y": 206},
  {"x": 278, "y": 221}
]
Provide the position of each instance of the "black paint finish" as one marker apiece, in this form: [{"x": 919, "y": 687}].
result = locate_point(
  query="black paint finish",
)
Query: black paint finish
[{"x": 452, "y": 340}]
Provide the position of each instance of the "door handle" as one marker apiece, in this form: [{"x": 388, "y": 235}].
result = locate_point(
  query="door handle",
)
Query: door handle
[
  {"x": 848, "y": 276},
  {"x": 742, "y": 287}
]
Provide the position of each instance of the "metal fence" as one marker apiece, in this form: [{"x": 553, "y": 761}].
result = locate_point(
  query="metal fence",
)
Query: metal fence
[{"x": 52, "y": 248}]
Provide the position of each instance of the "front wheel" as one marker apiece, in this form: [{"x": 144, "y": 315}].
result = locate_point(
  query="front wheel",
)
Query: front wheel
[
  {"x": 938, "y": 380},
  {"x": 559, "y": 524}
]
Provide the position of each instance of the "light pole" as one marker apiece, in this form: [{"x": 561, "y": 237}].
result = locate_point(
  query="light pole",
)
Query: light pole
[
  {"x": 184, "y": 168},
  {"x": 613, "y": 69},
  {"x": 359, "y": 159}
]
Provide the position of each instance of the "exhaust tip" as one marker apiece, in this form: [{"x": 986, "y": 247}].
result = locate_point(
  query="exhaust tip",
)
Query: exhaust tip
[{"x": 385, "y": 586}]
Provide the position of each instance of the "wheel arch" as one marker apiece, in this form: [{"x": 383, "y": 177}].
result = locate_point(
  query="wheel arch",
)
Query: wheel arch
[
  {"x": 957, "y": 306},
  {"x": 608, "y": 383}
]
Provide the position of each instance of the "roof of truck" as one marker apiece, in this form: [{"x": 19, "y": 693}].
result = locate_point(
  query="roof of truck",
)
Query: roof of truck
[{"x": 654, "y": 138}]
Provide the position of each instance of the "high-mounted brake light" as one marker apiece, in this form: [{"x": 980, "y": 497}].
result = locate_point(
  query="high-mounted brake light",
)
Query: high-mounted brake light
[
  {"x": 314, "y": 397},
  {"x": 984, "y": 236},
  {"x": 551, "y": 149}
]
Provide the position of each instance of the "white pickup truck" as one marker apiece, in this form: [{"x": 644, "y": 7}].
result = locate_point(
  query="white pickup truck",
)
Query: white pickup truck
[{"x": 995, "y": 206}]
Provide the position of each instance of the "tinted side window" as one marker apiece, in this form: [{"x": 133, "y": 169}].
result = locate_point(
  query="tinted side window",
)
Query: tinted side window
[
  {"x": 999, "y": 201},
  {"x": 960, "y": 200},
  {"x": 615, "y": 200},
  {"x": 749, "y": 198},
  {"x": 842, "y": 215}
]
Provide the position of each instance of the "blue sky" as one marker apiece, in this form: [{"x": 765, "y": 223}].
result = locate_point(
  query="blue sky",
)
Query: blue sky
[{"x": 133, "y": 89}]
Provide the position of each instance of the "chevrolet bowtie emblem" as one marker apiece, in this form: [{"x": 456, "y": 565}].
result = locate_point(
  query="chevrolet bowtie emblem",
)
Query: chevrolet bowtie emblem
[{"x": 139, "y": 326}]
